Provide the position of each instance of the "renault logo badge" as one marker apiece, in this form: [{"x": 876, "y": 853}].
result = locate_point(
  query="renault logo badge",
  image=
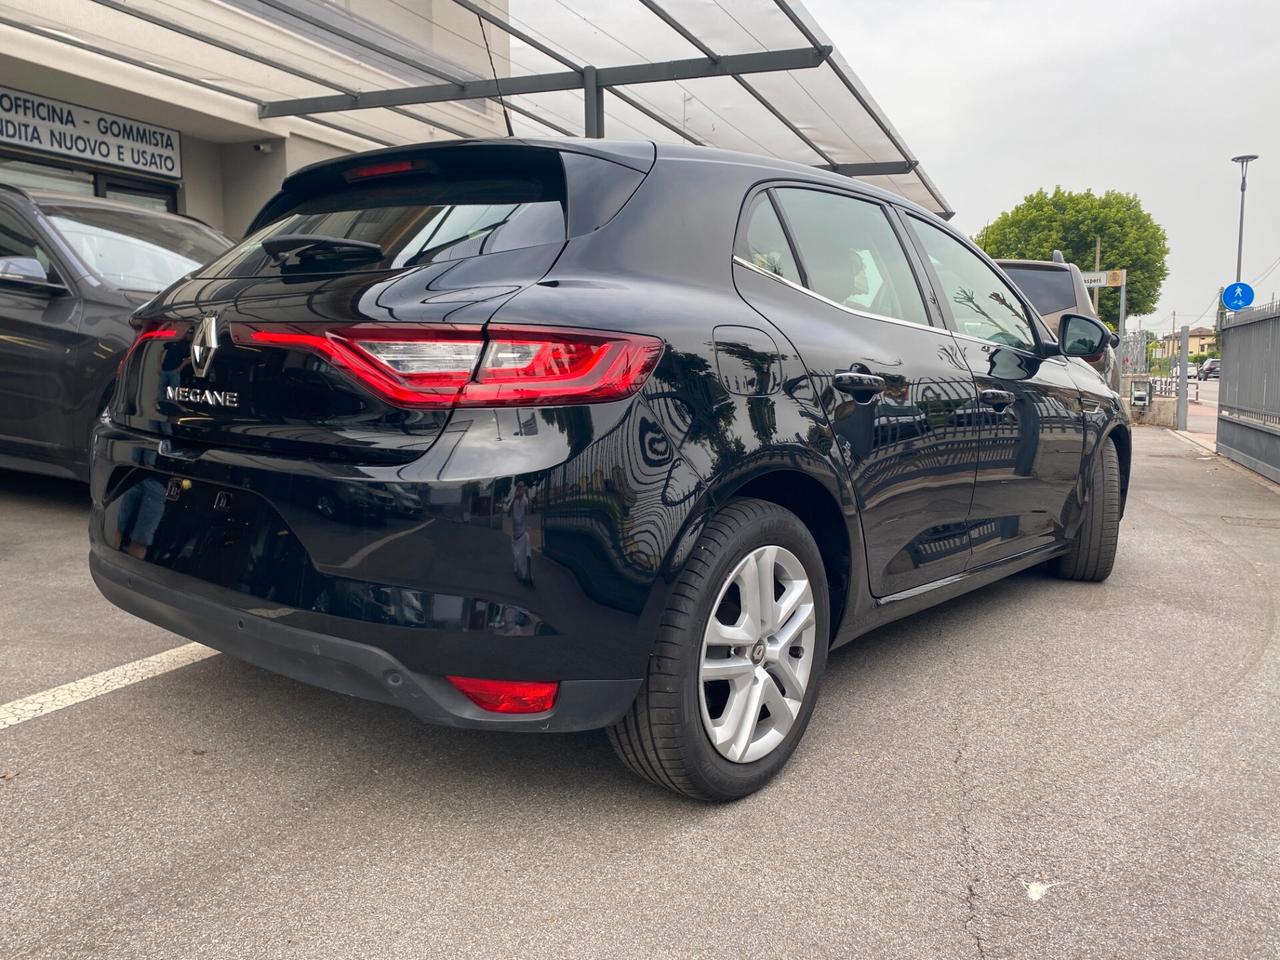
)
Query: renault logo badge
[{"x": 204, "y": 344}]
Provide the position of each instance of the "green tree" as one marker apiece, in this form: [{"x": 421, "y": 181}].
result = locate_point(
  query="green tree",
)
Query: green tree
[{"x": 1070, "y": 222}]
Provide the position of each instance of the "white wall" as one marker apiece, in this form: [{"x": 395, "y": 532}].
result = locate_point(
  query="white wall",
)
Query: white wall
[
  {"x": 250, "y": 177},
  {"x": 201, "y": 195}
]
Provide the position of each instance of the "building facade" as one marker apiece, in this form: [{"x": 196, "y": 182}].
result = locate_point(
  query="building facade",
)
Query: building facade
[{"x": 82, "y": 119}]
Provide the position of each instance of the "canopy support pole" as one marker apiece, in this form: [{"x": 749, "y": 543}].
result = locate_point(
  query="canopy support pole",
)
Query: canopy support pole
[{"x": 592, "y": 103}]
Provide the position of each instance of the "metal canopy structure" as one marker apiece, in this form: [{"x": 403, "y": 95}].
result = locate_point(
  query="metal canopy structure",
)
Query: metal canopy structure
[{"x": 752, "y": 75}]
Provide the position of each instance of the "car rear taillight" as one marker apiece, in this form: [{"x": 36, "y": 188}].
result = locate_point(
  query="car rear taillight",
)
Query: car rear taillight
[
  {"x": 501, "y": 366},
  {"x": 508, "y": 696},
  {"x": 147, "y": 333}
]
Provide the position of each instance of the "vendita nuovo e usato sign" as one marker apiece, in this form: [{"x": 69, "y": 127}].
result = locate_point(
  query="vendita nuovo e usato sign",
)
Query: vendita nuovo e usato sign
[{"x": 69, "y": 130}]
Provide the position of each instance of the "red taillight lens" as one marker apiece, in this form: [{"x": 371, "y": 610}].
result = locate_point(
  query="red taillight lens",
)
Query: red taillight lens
[
  {"x": 526, "y": 366},
  {"x": 508, "y": 696},
  {"x": 409, "y": 368},
  {"x": 155, "y": 333},
  {"x": 503, "y": 366}
]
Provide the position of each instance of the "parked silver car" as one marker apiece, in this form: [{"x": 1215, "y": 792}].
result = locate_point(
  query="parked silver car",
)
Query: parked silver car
[{"x": 1057, "y": 288}]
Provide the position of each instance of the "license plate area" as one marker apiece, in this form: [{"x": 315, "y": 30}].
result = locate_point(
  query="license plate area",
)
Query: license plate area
[{"x": 226, "y": 536}]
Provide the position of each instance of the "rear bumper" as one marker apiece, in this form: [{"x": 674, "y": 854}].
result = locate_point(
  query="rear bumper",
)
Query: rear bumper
[{"x": 338, "y": 664}]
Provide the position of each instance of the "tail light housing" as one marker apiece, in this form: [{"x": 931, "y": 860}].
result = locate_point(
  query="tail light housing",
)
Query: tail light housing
[{"x": 498, "y": 366}]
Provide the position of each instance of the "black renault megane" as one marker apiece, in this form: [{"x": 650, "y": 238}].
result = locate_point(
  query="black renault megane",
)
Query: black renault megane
[{"x": 587, "y": 434}]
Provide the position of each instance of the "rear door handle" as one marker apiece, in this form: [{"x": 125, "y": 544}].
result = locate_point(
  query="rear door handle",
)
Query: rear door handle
[
  {"x": 996, "y": 398},
  {"x": 860, "y": 386}
]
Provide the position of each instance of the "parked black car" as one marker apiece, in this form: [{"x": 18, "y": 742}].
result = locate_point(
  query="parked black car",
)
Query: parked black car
[
  {"x": 72, "y": 271},
  {"x": 1211, "y": 369},
  {"x": 567, "y": 435}
]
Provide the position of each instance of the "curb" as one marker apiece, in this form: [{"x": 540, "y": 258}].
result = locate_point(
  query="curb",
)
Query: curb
[
  {"x": 1199, "y": 444},
  {"x": 1188, "y": 436}
]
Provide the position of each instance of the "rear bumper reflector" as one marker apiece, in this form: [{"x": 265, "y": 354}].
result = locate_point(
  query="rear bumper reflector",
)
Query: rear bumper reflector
[{"x": 508, "y": 696}]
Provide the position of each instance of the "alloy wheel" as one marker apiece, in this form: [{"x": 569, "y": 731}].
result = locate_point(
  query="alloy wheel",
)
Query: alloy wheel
[{"x": 757, "y": 654}]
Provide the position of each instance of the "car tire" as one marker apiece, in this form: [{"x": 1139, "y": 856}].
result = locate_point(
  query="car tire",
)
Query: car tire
[
  {"x": 667, "y": 735},
  {"x": 1093, "y": 553}
]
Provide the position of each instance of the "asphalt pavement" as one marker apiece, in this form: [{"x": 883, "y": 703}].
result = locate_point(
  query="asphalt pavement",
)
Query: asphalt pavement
[{"x": 1040, "y": 769}]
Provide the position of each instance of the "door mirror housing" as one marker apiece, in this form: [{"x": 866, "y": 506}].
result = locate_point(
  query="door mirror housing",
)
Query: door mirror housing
[
  {"x": 1081, "y": 336},
  {"x": 27, "y": 272},
  {"x": 22, "y": 268}
]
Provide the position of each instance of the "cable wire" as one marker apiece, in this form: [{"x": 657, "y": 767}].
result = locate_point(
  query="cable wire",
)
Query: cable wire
[{"x": 501, "y": 102}]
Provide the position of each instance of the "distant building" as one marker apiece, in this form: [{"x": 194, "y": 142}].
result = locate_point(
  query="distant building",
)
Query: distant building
[{"x": 1199, "y": 340}]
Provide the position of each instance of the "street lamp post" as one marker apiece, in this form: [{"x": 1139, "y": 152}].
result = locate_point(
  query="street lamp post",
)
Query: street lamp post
[{"x": 1244, "y": 160}]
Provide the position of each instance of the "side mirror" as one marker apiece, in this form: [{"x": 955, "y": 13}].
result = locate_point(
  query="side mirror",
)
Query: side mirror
[
  {"x": 22, "y": 268},
  {"x": 1082, "y": 336},
  {"x": 27, "y": 272}
]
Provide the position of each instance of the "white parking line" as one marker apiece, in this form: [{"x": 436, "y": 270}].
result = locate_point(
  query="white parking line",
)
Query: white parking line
[{"x": 77, "y": 691}]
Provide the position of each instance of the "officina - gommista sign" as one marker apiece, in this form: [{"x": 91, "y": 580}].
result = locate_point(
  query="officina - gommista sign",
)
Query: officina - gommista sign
[{"x": 69, "y": 130}]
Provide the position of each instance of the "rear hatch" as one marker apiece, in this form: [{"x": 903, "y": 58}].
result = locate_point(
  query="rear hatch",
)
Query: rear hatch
[{"x": 347, "y": 322}]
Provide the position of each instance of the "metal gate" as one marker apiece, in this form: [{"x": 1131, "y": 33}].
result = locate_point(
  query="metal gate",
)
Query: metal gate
[
  {"x": 1132, "y": 353},
  {"x": 1249, "y": 398}
]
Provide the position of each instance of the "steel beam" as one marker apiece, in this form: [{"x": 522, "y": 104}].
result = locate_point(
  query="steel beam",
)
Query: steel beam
[
  {"x": 231, "y": 48},
  {"x": 656, "y": 117},
  {"x": 592, "y": 104},
  {"x": 364, "y": 38},
  {"x": 521, "y": 35},
  {"x": 863, "y": 98},
  {"x": 60, "y": 37},
  {"x": 630, "y": 75}
]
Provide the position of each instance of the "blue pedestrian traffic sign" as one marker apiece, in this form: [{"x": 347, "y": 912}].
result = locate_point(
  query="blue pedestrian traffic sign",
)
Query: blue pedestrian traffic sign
[{"x": 1237, "y": 296}]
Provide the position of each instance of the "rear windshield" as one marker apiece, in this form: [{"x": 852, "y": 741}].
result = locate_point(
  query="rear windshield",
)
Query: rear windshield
[
  {"x": 1048, "y": 289},
  {"x": 415, "y": 218},
  {"x": 132, "y": 249}
]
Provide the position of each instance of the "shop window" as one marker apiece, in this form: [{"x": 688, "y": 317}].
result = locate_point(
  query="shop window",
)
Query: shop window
[
  {"x": 149, "y": 195},
  {"x": 38, "y": 176}
]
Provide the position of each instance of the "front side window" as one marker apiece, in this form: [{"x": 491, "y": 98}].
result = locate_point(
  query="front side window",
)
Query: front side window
[
  {"x": 983, "y": 304},
  {"x": 850, "y": 254},
  {"x": 16, "y": 241},
  {"x": 763, "y": 243}
]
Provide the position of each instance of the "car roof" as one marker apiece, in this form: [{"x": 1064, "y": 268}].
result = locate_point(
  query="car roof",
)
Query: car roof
[
  {"x": 637, "y": 154},
  {"x": 41, "y": 198},
  {"x": 799, "y": 171},
  {"x": 1038, "y": 264}
]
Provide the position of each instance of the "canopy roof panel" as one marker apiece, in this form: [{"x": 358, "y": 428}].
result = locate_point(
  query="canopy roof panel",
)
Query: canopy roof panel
[{"x": 328, "y": 61}]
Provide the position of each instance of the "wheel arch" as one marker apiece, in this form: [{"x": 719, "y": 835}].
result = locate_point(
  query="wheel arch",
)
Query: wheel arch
[
  {"x": 1121, "y": 436},
  {"x": 819, "y": 510}
]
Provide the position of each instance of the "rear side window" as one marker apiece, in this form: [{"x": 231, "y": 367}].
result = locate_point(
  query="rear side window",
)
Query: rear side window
[
  {"x": 1048, "y": 289},
  {"x": 850, "y": 254},
  {"x": 415, "y": 218},
  {"x": 763, "y": 243}
]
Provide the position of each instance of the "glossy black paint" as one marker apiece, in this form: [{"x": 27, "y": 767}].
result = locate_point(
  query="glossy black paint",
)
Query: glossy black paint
[
  {"x": 365, "y": 529},
  {"x": 60, "y": 348}
]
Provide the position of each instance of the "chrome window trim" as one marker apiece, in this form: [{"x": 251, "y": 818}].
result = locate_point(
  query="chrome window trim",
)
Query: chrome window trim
[
  {"x": 877, "y": 316},
  {"x": 1005, "y": 346},
  {"x": 839, "y": 306}
]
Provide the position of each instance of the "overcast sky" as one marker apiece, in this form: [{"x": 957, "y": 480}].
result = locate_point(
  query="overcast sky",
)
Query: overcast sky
[{"x": 998, "y": 99}]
